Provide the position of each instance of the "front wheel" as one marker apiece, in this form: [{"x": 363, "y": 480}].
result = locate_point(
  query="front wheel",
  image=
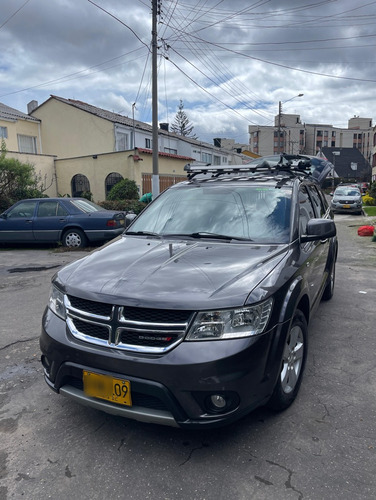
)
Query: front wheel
[
  {"x": 74, "y": 238},
  {"x": 292, "y": 367}
]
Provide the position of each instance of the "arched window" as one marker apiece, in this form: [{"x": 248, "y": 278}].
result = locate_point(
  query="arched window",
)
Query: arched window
[
  {"x": 80, "y": 184},
  {"x": 111, "y": 180}
]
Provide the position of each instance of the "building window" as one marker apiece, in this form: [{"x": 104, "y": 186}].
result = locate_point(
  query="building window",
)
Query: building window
[
  {"x": 319, "y": 133},
  {"x": 4, "y": 132},
  {"x": 27, "y": 144},
  {"x": 171, "y": 151},
  {"x": 333, "y": 144},
  {"x": 224, "y": 159},
  {"x": 80, "y": 184},
  {"x": 122, "y": 141},
  {"x": 206, "y": 157},
  {"x": 216, "y": 160},
  {"x": 111, "y": 180},
  {"x": 148, "y": 143},
  {"x": 333, "y": 133}
]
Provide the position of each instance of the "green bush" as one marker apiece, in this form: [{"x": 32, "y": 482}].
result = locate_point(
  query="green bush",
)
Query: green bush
[
  {"x": 368, "y": 200},
  {"x": 129, "y": 206},
  {"x": 124, "y": 190}
]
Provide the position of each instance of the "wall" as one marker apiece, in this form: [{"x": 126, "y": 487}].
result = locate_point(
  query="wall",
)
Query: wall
[
  {"x": 44, "y": 168},
  {"x": 122, "y": 162},
  {"x": 69, "y": 132}
]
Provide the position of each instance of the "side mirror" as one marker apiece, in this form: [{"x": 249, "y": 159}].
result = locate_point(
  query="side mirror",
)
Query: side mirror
[
  {"x": 129, "y": 218},
  {"x": 319, "y": 229}
]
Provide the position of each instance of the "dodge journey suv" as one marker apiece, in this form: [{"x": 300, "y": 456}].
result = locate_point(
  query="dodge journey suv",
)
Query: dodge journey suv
[{"x": 198, "y": 313}]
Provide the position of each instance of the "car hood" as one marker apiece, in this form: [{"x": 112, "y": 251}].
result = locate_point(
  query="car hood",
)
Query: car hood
[{"x": 161, "y": 273}]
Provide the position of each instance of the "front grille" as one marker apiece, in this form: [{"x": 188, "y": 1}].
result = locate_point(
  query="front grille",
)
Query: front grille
[
  {"x": 134, "y": 329},
  {"x": 91, "y": 329},
  {"x": 91, "y": 307},
  {"x": 155, "y": 315}
]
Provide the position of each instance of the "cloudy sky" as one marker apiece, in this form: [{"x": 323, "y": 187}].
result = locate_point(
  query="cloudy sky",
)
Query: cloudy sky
[{"x": 229, "y": 61}]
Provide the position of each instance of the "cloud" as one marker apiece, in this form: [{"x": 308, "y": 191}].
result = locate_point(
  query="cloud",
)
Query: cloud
[{"x": 230, "y": 62}]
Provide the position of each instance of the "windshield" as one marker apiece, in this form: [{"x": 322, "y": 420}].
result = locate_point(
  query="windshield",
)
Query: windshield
[
  {"x": 86, "y": 206},
  {"x": 257, "y": 213},
  {"x": 347, "y": 191}
]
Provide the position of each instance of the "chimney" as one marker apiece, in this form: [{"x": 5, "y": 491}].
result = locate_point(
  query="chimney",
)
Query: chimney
[
  {"x": 217, "y": 142},
  {"x": 164, "y": 126},
  {"x": 31, "y": 106}
]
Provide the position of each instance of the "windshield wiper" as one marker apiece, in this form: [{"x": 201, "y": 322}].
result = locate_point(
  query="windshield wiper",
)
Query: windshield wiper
[
  {"x": 204, "y": 234},
  {"x": 142, "y": 233}
]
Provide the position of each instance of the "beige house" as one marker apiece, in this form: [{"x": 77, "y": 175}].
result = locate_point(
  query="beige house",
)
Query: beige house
[
  {"x": 22, "y": 138},
  {"x": 94, "y": 149}
]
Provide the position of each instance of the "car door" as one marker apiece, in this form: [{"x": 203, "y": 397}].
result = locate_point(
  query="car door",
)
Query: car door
[
  {"x": 50, "y": 220},
  {"x": 314, "y": 252},
  {"x": 16, "y": 225}
]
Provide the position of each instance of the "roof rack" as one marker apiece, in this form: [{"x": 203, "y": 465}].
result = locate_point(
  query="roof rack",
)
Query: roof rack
[{"x": 285, "y": 164}]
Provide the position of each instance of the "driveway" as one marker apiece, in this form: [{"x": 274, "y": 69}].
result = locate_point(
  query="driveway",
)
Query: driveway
[{"x": 322, "y": 447}]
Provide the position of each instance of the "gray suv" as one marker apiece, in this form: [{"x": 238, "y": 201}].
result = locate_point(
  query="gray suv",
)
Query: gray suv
[{"x": 199, "y": 312}]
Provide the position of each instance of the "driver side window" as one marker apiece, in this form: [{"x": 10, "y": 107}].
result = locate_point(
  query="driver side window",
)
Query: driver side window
[
  {"x": 22, "y": 210},
  {"x": 306, "y": 211}
]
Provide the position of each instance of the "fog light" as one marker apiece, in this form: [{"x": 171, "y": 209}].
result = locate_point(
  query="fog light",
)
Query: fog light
[{"x": 218, "y": 401}]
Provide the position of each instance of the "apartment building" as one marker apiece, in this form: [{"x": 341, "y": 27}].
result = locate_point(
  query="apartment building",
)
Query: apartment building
[{"x": 291, "y": 136}]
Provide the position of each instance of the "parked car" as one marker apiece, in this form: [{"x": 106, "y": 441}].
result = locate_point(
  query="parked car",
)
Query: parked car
[
  {"x": 347, "y": 198},
  {"x": 199, "y": 313},
  {"x": 74, "y": 222}
]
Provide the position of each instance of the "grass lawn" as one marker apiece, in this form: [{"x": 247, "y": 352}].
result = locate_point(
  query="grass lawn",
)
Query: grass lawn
[{"x": 370, "y": 211}]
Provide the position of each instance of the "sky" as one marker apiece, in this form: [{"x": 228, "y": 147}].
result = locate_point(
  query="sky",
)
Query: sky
[{"x": 230, "y": 62}]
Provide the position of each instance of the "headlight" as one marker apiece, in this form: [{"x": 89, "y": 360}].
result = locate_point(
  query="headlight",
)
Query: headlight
[
  {"x": 56, "y": 302},
  {"x": 231, "y": 323}
]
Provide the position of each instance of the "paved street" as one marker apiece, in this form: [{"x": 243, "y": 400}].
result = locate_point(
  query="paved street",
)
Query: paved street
[{"x": 323, "y": 447}]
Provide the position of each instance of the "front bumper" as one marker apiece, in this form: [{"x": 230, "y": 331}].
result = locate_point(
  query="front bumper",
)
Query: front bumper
[
  {"x": 171, "y": 388},
  {"x": 346, "y": 207}
]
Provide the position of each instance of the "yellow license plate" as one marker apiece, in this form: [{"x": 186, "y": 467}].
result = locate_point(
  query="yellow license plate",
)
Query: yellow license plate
[
  {"x": 345, "y": 206},
  {"x": 106, "y": 387}
]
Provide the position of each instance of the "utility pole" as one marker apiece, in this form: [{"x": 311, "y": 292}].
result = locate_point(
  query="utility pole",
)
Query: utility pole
[
  {"x": 279, "y": 126},
  {"x": 154, "y": 44}
]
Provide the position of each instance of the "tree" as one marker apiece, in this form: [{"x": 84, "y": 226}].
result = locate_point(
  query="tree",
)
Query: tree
[
  {"x": 181, "y": 124},
  {"x": 124, "y": 190},
  {"x": 17, "y": 180}
]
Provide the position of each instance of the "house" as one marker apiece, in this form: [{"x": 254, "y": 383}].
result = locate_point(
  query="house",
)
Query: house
[
  {"x": 96, "y": 148},
  {"x": 76, "y": 128},
  {"x": 21, "y": 134}
]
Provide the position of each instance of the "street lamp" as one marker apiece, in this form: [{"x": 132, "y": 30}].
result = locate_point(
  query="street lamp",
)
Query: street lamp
[{"x": 279, "y": 119}]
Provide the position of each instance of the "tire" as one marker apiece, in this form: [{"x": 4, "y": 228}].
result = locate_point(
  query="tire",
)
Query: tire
[
  {"x": 329, "y": 287},
  {"x": 74, "y": 238},
  {"x": 292, "y": 364}
]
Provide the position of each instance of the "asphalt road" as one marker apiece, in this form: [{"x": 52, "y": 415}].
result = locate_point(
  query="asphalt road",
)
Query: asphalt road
[{"x": 323, "y": 447}]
